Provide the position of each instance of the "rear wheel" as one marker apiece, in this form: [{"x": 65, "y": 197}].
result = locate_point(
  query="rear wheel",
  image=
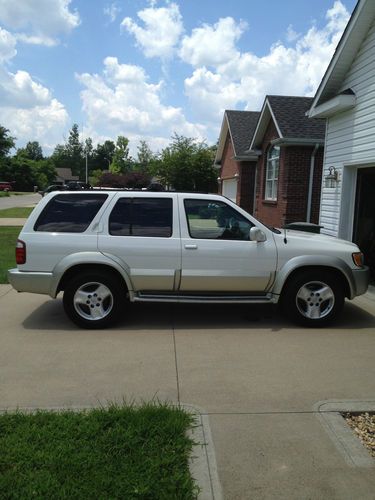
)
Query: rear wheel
[
  {"x": 94, "y": 300},
  {"x": 313, "y": 298}
]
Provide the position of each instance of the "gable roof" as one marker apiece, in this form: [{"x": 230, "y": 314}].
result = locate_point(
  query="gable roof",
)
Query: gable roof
[
  {"x": 241, "y": 127},
  {"x": 291, "y": 122},
  {"x": 65, "y": 174},
  {"x": 346, "y": 50}
]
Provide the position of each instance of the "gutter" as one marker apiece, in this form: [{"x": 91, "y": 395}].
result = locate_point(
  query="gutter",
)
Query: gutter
[
  {"x": 311, "y": 182},
  {"x": 297, "y": 142}
]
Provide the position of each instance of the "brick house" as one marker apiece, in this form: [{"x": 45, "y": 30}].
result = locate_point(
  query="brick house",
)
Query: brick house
[
  {"x": 64, "y": 175},
  {"x": 289, "y": 168},
  {"x": 235, "y": 164},
  {"x": 271, "y": 162}
]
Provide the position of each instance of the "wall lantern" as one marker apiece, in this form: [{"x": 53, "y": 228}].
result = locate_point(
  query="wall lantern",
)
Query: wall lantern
[
  {"x": 219, "y": 180},
  {"x": 332, "y": 178},
  {"x": 237, "y": 176}
]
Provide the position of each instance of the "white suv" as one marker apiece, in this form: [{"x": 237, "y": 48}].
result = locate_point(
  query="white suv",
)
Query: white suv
[{"x": 102, "y": 248}]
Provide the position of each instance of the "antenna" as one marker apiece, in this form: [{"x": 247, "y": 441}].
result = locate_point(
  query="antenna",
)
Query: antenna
[{"x": 285, "y": 239}]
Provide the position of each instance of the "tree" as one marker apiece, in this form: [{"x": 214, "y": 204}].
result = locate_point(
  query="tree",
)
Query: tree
[
  {"x": 103, "y": 155},
  {"x": 7, "y": 142},
  {"x": 27, "y": 173},
  {"x": 75, "y": 153},
  {"x": 186, "y": 165},
  {"x": 121, "y": 162},
  {"x": 145, "y": 156},
  {"x": 34, "y": 151}
]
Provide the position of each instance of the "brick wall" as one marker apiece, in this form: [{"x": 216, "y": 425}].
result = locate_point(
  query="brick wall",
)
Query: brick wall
[
  {"x": 229, "y": 166},
  {"x": 245, "y": 193},
  {"x": 297, "y": 168},
  {"x": 246, "y": 176},
  {"x": 270, "y": 212}
]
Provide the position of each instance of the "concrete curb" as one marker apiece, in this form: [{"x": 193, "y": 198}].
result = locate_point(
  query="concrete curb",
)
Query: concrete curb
[
  {"x": 202, "y": 464},
  {"x": 347, "y": 443}
]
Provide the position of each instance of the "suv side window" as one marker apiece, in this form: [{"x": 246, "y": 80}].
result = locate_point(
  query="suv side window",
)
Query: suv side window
[
  {"x": 69, "y": 213},
  {"x": 211, "y": 219},
  {"x": 150, "y": 217}
]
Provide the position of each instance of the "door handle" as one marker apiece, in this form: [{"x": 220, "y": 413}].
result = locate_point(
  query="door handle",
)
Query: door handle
[{"x": 191, "y": 247}]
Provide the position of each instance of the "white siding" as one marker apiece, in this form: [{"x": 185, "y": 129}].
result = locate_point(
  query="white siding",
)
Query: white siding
[{"x": 350, "y": 140}]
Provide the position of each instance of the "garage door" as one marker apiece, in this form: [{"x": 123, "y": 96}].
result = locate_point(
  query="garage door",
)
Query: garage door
[{"x": 230, "y": 189}]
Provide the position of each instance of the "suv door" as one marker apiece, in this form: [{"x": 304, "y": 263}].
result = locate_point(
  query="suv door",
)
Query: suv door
[
  {"x": 141, "y": 230},
  {"x": 217, "y": 254}
]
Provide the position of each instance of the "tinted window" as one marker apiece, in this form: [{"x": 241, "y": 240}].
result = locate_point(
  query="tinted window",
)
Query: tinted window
[
  {"x": 142, "y": 217},
  {"x": 69, "y": 213},
  {"x": 209, "y": 219}
]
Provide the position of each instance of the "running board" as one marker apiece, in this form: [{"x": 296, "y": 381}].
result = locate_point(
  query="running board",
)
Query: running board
[{"x": 204, "y": 299}]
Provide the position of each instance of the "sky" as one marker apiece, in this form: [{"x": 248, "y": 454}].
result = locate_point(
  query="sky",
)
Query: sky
[{"x": 148, "y": 69}]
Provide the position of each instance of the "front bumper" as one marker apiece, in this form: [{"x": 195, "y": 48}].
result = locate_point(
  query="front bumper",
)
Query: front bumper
[
  {"x": 361, "y": 280},
  {"x": 33, "y": 282}
]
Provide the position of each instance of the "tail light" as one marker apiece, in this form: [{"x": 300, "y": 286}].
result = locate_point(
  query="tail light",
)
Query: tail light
[{"x": 20, "y": 252}]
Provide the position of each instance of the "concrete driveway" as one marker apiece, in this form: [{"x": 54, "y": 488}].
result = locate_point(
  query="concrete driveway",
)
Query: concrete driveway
[{"x": 257, "y": 376}]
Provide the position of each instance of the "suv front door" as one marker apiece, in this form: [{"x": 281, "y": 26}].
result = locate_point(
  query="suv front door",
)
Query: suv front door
[{"x": 217, "y": 255}]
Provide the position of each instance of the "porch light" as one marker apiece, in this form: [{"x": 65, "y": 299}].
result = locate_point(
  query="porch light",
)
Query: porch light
[{"x": 332, "y": 178}]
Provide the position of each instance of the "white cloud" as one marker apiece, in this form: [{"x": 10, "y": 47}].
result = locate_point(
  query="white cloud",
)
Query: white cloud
[
  {"x": 43, "y": 123},
  {"x": 291, "y": 34},
  {"x": 212, "y": 45},
  {"x": 243, "y": 79},
  {"x": 39, "y": 21},
  {"x": 122, "y": 101},
  {"x": 161, "y": 32},
  {"x": 7, "y": 45},
  {"x": 27, "y": 108},
  {"x": 112, "y": 11}
]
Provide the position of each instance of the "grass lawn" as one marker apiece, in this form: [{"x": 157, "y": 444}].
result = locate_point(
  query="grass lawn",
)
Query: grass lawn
[
  {"x": 12, "y": 193},
  {"x": 119, "y": 452},
  {"x": 8, "y": 238},
  {"x": 17, "y": 212}
]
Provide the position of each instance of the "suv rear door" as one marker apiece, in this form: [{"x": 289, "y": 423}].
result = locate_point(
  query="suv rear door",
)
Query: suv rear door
[{"x": 142, "y": 231}]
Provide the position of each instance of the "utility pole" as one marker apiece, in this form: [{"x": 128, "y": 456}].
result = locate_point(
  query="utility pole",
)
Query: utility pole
[{"x": 87, "y": 178}]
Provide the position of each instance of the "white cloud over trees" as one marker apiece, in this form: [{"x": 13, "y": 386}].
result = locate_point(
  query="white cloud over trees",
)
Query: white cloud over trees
[
  {"x": 120, "y": 98},
  {"x": 122, "y": 101}
]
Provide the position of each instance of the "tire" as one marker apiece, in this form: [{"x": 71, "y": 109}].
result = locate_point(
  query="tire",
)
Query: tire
[
  {"x": 313, "y": 298},
  {"x": 94, "y": 300}
]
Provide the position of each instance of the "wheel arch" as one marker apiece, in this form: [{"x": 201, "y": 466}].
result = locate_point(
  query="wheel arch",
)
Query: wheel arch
[
  {"x": 299, "y": 265},
  {"x": 66, "y": 270}
]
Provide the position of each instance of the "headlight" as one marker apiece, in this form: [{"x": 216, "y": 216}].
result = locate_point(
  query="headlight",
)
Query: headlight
[{"x": 358, "y": 259}]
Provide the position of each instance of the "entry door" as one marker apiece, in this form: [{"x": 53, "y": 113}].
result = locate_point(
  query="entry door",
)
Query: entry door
[
  {"x": 230, "y": 189},
  {"x": 364, "y": 220},
  {"x": 217, "y": 255}
]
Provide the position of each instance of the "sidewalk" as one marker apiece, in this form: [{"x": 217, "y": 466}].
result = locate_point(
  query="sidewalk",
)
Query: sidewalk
[
  {"x": 257, "y": 378},
  {"x": 7, "y": 221}
]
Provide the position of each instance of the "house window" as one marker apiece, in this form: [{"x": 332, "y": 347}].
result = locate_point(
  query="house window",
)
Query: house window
[{"x": 272, "y": 173}]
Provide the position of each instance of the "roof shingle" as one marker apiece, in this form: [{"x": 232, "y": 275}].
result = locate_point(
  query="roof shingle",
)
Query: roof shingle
[
  {"x": 290, "y": 115},
  {"x": 242, "y": 126}
]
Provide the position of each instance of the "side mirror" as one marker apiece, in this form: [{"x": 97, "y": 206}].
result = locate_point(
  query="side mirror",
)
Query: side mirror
[{"x": 257, "y": 235}]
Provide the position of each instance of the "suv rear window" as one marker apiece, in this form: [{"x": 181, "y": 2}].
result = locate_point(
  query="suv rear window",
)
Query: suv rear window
[
  {"x": 69, "y": 213},
  {"x": 150, "y": 217}
]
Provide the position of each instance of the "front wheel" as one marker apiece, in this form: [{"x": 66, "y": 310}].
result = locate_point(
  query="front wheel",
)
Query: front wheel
[
  {"x": 313, "y": 298},
  {"x": 93, "y": 300}
]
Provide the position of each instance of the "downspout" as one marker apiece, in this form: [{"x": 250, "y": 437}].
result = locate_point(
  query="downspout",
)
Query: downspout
[
  {"x": 311, "y": 182},
  {"x": 255, "y": 189}
]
